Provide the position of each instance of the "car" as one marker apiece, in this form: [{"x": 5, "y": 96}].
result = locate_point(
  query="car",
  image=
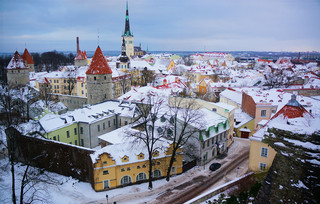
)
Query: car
[{"x": 214, "y": 166}]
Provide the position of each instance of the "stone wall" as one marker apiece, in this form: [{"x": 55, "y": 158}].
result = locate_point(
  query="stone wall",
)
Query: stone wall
[
  {"x": 72, "y": 102},
  {"x": 17, "y": 77},
  {"x": 61, "y": 158},
  {"x": 304, "y": 92},
  {"x": 99, "y": 88}
]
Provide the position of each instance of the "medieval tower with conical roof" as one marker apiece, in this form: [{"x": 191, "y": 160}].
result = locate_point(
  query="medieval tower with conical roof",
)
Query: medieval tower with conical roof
[
  {"x": 28, "y": 60},
  {"x": 123, "y": 61},
  {"x": 99, "y": 79},
  {"x": 17, "y": 71},
  {"x": 127, "y": 36}
]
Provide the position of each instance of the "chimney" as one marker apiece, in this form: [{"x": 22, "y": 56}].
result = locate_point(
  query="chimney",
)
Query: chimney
[{"x": 78, "y": 45}]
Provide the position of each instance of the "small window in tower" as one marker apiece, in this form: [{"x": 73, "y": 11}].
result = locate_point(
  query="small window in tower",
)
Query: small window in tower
[
  {"x": 105, "y": 78},
  {"x": 95, "y": 78}
]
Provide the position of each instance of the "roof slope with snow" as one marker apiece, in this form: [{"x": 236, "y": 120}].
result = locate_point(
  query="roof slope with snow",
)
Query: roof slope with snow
[
  {"x": 27, "y": 57},
  {"x": 99, "y": 64},
  {"x": 17, "y": 62}
]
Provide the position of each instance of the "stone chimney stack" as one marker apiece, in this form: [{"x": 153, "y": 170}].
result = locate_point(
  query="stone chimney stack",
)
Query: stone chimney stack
[{"x": 78, "y": 45}]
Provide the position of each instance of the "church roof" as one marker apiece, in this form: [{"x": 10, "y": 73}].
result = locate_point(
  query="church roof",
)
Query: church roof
[
  {"x": 99, "y": 64},
  {"x": 27, "y": 57},
  {"x": 17, "y": 62}
]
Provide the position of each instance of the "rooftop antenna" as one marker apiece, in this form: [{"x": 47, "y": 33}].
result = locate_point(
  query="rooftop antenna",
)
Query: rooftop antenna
[{"x": 98, "y": 37}]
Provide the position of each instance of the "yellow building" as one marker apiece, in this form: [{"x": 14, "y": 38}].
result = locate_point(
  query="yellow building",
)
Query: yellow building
[
  {"x": 122, "y": 164},
  {"x": 171, "y": 65},
  {"x": 261, "y": 155}
]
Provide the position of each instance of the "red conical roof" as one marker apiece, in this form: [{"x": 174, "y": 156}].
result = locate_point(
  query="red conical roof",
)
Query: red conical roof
[
  {"x": 99, "y": 64},
  {"x": 27, "y": 57},
  {"x": 17, "y": 62}
]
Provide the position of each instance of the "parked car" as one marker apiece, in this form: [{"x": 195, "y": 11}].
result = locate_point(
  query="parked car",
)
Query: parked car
[{"x": 214, "y": 166}]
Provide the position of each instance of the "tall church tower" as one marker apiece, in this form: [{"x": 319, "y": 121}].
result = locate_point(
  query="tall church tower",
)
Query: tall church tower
[
  {"x": 99, "y": 79},
  {"x": 127, "y": 36}
]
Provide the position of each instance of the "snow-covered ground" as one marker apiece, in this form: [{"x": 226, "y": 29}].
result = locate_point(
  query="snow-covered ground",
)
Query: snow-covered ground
[{"x": 69, "y": 190}]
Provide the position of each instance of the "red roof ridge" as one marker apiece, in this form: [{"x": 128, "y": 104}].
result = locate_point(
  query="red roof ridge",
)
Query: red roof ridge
[
  {"x": 99, "y": 64},
  {"x": 27, "y": 57}
]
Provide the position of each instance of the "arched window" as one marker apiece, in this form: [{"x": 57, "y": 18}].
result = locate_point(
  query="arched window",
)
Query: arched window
[
  {"x": 125, "y": 180},
  {"x": 141, "y": 176},
  {"x": 156, "y": 174}
]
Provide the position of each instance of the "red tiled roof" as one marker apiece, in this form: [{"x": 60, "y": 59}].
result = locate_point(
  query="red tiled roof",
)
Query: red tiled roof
[
  {"x": 81, "y": 55},
  {"x": 99, "y": 64},
  {"x": 27, "y": 57},
  {"x": 289, "y": 111}
]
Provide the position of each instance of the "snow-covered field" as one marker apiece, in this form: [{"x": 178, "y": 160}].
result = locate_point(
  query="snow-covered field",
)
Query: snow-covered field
[{"x": 69, "y": 190}]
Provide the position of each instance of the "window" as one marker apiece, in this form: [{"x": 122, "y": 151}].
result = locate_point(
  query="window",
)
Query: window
[
  {"x": 263, "y": 113},
  {"x": 156, "y": 174},
  {"x": 205, "y": 156},
  {"x": 169, "y": 132},
  {"x": 95, "y": 78},
  {"x": 212, "y": 141},
  {"x": 264, "y": 152},
  {"x": 108, "y": 123},
  {"x": 104, "y": 126},
  {"x": 144, "y": 166},
  {"x": 263, "y": 166},
  {"x": 105, "y": 172},
  {"x": 128, "y": 169},
  {"x": 75, "y": 131},
  {"x": 141, "y": 176},
  {"x": 125, "y": 180},
  {"x": 82, "y": 143},
  {"x": 173, "y": 170},
  {"x": 98, "y": 128},
  {"x": 105, "y": 184},
  {"x": 138, "y": 167},
  {"x": 105, "y": 78},
  {"x": 203, "y": 145},
  {"x": 126, "y": 122},
  {"x": 122, "y": 169},
  {"x": 273, "y": 111},
  {"x": 208, "y": 143},
  {"x": 70, "y": 142},
  {"x": 76, "y": 142},
  {"x": 54, "y": 138},
  {"x": 81, "y": 130},
  {"x": 114, "y": 121},
  {"x": 68, "y": 134},
  {"x": 81, "y": 84},
  {"x": 158, "y": 163}
]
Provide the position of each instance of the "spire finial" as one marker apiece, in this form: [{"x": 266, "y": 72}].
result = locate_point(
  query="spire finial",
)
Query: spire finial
[{"x": 98, "y": 37}]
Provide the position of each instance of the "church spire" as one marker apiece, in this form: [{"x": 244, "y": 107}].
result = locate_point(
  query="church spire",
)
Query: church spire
[{"x": 127, "y": 25}]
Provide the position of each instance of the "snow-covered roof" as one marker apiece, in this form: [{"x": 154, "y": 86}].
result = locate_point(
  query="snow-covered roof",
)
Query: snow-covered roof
[
  {"x": 226, "y": 106},
  {"x": 17, "y": 62},
  {"x": 103, "y": 110},
  {"x": 131, "y": 150},
  {"x": 291, "y": 117},
  {"x": 232, "y": 95},
  {"x": 242, "y": 117}
]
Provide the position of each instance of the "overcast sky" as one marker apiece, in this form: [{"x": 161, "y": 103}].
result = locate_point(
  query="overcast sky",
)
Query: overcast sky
[{"x": 165, "y": 25}]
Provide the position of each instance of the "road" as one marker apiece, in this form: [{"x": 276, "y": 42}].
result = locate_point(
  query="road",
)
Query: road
[{"x": 200, "y": 184}]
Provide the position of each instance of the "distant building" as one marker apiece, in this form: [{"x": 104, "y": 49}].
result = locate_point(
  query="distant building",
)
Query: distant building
[
  {"x": 17, "y": 71},
  {"x": 138, "y": 51},
  {"x": 81, "y": 57},
  {"x": 128, "y": 36}
]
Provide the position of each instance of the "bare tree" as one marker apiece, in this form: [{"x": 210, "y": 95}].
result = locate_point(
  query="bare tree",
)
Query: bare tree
[
  {"x": 185, "y": 122},
  {"x": 148, "y": 134},
  {"x": 30, "y": 191},
  {"x": 71, "y": 81},
  {"x": 147, "y": 76},
  {"x": 125, "y": 83}
]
